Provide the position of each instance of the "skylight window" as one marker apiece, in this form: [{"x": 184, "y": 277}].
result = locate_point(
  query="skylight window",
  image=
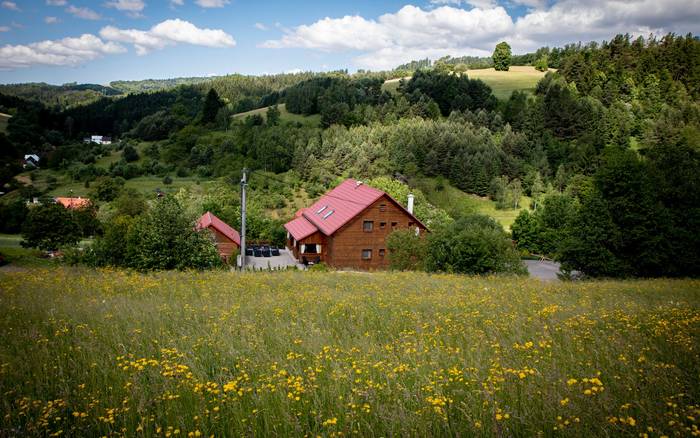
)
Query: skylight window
[
  {"x": 327, "y": 215},
  {"x": 320, "y": 210}
]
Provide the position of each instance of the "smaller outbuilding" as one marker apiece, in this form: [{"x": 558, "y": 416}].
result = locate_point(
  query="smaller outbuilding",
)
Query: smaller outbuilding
[{"x": 228, "y": 241}]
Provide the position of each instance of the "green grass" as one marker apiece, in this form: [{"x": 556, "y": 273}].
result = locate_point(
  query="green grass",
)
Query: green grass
[
  {"x": 459, "y": 203},
  {"x": 93, "y": 353},
  {"x": 503, "y": 83},
  {"x": 146, "y": 185},
  {"x": 285, "y": 116},
  {"x": 4, "y": 118}
]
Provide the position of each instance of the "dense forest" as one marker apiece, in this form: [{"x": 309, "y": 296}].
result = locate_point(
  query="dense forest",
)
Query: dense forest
[{"x": 607, "y": 146}]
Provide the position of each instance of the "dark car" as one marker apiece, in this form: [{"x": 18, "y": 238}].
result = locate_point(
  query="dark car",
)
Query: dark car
[
  {"x": 266, "y": 252},
  {"x": 257, "y": 252},
  {"x": 275, "y": 251},
  {"x": 249, "y": 252}
]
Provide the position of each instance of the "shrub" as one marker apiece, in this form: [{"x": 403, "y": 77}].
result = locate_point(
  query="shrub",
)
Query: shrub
[
  {"x": 407, "y": 251},
  {"x": 49, "y": 227},
  {"x": 165, "y": 238},
  {"x": 474, "y": 244}
]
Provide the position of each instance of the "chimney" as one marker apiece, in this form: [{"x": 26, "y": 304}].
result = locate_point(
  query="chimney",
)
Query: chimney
[
  {"x": 358, "y": 184},
  {"x": 410, "y": 203}
]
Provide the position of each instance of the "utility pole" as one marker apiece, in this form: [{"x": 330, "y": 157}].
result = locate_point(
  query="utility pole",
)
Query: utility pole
[{"x": 244, "y": 184}]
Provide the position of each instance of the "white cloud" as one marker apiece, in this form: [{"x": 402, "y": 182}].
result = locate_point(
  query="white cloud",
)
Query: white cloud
[
  {"x": 66, "y": 51},
  {"x": 4, "y": 28},
  {"x": 127, "y": 5},
  {"x": 84, "y": 13},
  {"x": 10, "y": 5},
  {"x": 168, "y": 33},
  {"x": 51, "y": 20},
  {"x": 56, "y": 2},
  {"x": 177, "y": 2},
  {"x": 413, "y": 33},
  {"x": 401, "y": 36},
  {"x": 212, "y": 3},
  {"x": 260, "y": 26}
]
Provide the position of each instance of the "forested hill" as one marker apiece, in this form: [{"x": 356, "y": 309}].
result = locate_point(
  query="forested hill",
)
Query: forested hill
[
  {"x": 606, "y": 145},
  {"x": 59, "y": 96}
]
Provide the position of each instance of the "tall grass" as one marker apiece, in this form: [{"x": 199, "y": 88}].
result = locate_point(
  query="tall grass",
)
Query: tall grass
[{"x": 95, "y": 353}]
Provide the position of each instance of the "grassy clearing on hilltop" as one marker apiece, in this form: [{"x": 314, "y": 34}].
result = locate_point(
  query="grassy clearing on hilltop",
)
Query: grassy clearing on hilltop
[
  {"x": 503, "y": 83},
  {"x": 116, "y": 353},
  {"x": 285, "y": 116}
]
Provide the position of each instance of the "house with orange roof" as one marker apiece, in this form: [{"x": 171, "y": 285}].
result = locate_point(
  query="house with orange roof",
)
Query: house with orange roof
[
  {"x": 227, "y": 239},
  {"x": 348, "y": 227},
  {"x": 72, "y": 203}
]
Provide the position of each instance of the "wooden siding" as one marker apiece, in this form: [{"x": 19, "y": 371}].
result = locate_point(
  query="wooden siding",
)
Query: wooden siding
[
  {"x": 316, "y": 238},
  {"x": 226, "y": 246},
  {"x": 344, "y": 248}
]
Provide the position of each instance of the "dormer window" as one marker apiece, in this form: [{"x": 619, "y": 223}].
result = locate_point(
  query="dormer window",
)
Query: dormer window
[
  {"x": 320, "y": 210},
  {"x": 327, "y": 215}
]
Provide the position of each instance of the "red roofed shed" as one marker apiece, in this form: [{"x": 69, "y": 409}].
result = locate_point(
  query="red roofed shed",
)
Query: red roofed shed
[
  {"x": 227, "y": 239},
  {"x": 348, "y": 226}
]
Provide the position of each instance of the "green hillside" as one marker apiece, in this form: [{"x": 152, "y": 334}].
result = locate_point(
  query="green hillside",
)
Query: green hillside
[
  {"x": 312, "y": 120},
  {"x": 459, "y": 203},
  {"x": 503, "y": 83}
]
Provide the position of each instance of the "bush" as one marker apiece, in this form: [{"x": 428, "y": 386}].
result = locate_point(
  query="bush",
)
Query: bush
[
  {"x": 49, "y": 227},
  {"x": 106, "y": 188},
  {"x": 407, "y": 251},
  {"x": 165, "y": 238},
  {"x": 474, "y": 244}
]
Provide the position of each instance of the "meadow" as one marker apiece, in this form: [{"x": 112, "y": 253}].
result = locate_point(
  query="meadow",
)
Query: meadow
[
  {"x": 115, "y": 353},
  {"x": 503, "y": 83},
  {"x": 312, "y": 120}
]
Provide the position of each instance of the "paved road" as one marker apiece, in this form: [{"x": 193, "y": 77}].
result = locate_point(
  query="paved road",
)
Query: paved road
[{"x": 544, "y": 270}]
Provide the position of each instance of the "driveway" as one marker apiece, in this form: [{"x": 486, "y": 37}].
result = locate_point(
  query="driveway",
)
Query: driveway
[
  {"x": 281, "y": 261},
  {"x": 543, "y": 270}
]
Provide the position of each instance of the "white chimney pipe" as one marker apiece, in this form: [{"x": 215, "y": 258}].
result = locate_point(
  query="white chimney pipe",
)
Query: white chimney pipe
[{"x": 410, "y": 203}]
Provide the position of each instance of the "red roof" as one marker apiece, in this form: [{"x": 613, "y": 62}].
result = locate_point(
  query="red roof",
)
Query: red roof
[
  {"x": 73, "y": 202},
  {"x": 300, "y": 228},
  {"x": 335, "y": 209},
  {"x": 209, "y": 220}
]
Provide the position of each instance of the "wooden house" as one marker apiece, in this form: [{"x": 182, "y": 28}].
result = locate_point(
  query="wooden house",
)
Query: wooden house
[
  {"x": 348, "y": 226},
  {"x": 227, "y": 239}
]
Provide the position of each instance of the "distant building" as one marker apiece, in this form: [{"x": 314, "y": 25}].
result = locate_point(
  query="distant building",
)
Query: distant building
[
  {"x": 98, "y": 139},
  {"x": 348, "y": 227},
  {"x": 31, "y": 161},
  {"x": 227, "y": 239},
  {"x": 73, "y": 203}
]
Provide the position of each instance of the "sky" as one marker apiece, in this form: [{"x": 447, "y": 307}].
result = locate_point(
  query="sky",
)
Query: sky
[{"x": 60, "y": 41}]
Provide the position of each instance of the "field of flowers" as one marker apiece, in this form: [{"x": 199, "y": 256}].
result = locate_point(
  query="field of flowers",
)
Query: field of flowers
[{"x": 114, "y": 353}]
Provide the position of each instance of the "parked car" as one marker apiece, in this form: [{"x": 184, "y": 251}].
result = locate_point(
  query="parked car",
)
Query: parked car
[
  {"x": 266, "y": 252},
  {"x": 249, "y": 251},
  {"x": 275, "y": 251},
  {"x": 257, "y": 252}
]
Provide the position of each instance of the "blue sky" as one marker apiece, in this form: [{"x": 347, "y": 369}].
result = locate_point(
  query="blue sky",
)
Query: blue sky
[{"x": 58, "y": 41}]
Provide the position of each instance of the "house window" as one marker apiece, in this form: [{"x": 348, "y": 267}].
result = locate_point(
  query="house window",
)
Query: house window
[
  {"x": 367, "y": 226},
  {"x": 410, "y": 224},
  {"x": 320, "y": 210},
  {"x": 381, "y": 252},
  {"x": 310, "y": 249},
  {"x": 382, "y": 207},
  {"x": 327, "y": 215},
  {"x": 394, "y": 224},
  {"x": 382, "y": 225},
  {"x": 366, "y": 254}
]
